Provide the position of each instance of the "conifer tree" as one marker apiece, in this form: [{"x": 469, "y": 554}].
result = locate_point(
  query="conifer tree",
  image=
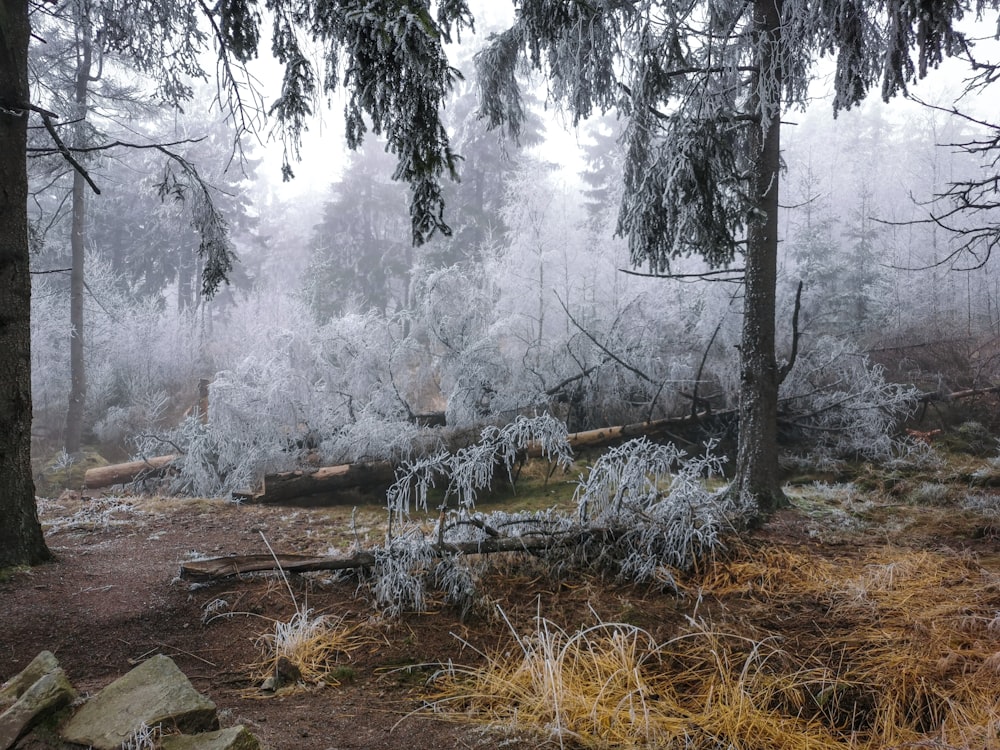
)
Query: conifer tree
[
  {"x": 397, "y": 77},
  {"x": 703, "y": 85}
]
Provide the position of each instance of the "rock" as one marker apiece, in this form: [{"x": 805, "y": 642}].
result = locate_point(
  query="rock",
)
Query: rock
[
  {"x": 156, "y": 693},
  {"x": 233, "y": 738},
  {"x": 286, "y": 672},
  {"x": 41, "y": 665},
  {"x": 47, "y": 694}
]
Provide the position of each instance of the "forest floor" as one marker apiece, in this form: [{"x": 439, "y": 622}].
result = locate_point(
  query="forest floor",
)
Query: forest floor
[{"x": 112, "y": 598}]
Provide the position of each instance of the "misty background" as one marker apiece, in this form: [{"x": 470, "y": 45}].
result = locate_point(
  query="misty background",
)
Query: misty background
[{"x": 334, "y": 335}]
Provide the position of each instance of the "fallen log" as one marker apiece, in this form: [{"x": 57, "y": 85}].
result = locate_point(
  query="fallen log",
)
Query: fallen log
[
  {"x": 605, "y": 435},
  {"x": 105, "y": 476},
  {"x": 224, "y": 567},
  {"x": 322, "y": 485},
  {"x": 326, "y": 480},
  {"x": 931, "y": 396},
  {"x": 234, "y": 565}
]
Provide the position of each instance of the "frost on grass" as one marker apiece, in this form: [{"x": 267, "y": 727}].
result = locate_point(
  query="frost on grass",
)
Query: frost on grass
[
  {"x": 94, "y": 514},
  {"x": 316, "y": 646},
  {"x": 987, "y": 503},
  {"x": 612, "y": 685},
  {"x": 144, "y": 737}
]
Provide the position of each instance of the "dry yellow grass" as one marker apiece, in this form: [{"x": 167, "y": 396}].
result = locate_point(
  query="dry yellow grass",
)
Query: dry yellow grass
[
  {"x": 894, "y": 649},
  {"x": 318, "y": 646}
]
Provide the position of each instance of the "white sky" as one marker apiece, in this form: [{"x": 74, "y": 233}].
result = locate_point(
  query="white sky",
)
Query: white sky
[{"x": 324, "y": 151}]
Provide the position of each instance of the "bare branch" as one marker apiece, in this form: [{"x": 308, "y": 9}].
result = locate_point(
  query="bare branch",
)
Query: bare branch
[
  {"x": 602, "y": 347},
  {"x": 704, "y": 276},
  {"x": 787, "y": 367},
  {"x": 47, "y": 119},
  {"x": 37, "y": 151}
]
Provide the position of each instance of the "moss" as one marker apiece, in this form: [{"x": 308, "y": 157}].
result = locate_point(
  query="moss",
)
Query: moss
[
  {"x": 58, "y": 474},
  {"x": 972, "y": 437},
  {"x": 7, "y": 574},
  {"x": 342, "y": 674}
]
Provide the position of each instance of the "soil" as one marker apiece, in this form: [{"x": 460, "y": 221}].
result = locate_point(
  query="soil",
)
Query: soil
[{"x": 112, "y": 598}]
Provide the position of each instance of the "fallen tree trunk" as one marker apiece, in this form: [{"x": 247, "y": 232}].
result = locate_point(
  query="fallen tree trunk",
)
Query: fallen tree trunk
[
  {"x": 323, "y": 484},
  {"x": 326, "y": 480},
  {"x": 224, "y": 567},
  {"x": 957, "y": 395},
  {"x": 234, "y": 565},
  {"x": 105, "y": 476},
  {"x": 605, "y": 435}
]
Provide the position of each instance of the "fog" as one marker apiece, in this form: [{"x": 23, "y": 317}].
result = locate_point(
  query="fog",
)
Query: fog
[{"x": 333, "y": 331}]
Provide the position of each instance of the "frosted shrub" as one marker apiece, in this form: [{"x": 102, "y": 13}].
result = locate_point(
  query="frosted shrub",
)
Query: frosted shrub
[
  {"x": 293, "y": 385},
  {"x": 457, "y": 578},
  {"x": 907, "y": 453},
  {"x": 470, "y": 470},
  {"x": 632, "y": 473},
  {"x": 145, "y": 407},
  {"x": 843, "y": 402},
  {"x": 644, "y": 511},
  {"x": 399, "y": 575},
  {"x": 651, "y": 510}
]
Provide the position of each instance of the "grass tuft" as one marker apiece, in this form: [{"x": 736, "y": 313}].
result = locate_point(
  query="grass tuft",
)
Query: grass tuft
[
  {"x": 905, "y": 654},
  {"x": 315, "y": 645}
]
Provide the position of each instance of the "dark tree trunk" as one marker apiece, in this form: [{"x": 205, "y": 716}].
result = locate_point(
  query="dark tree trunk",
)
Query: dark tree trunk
[
  {"x": 78, "y": 377},
  {"x": 757, "y": 452},
  {"x": 21, "y": 541}
]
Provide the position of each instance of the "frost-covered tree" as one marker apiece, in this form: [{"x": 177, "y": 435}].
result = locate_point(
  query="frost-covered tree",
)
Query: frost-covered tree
[
  {"x": 396, "y": 73},
  {"x": 102, "y": 91},
  {"x": 703, "y": 86},
  {"x": 485, "y": 172},
  {"x": 360, "y": 253}
]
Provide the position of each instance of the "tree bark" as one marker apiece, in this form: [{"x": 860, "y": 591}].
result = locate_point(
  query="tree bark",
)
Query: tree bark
[
  {"x": 325, "y": 481},
  {"x": 105, "y": 476},
  {"x": 757, "y": 475},
  {"x": 78, "y": 378},
  {"x": 222, "y": 567},
  {"x": 21, "y": 540}
]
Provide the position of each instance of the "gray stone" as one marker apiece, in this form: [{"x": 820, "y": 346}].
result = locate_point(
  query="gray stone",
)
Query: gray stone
[
  {"x": 46, "y": 696},
  {"x": 40, "y": 666},
  {"x": 154, "y": 694},
  {"x": 233, "y": 738}
]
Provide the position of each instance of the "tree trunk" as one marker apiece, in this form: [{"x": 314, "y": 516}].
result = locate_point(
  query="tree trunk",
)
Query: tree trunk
[
  {"x": 105, "y": 476},
  {"x": 323, "y": 485},
  {"x": 186, "y": 296},
  {"x": 78, "y": 377},
  {"x": 21, "y": 541},
  {"x": 757, "y": 453}
]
